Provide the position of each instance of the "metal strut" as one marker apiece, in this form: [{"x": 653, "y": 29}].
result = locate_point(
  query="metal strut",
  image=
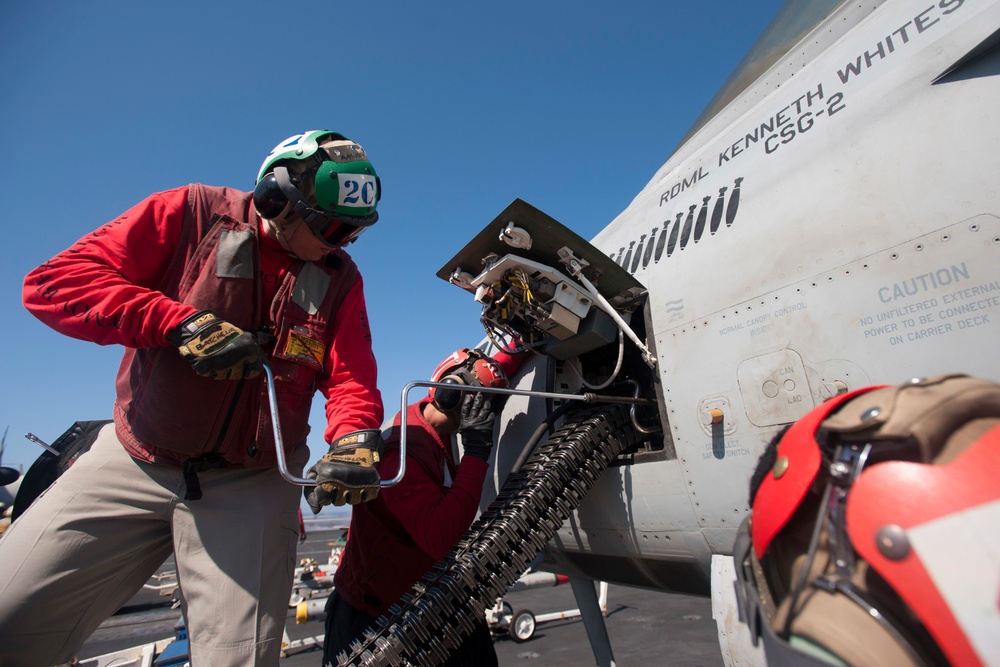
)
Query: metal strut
[{"x": 440, "y": 611}]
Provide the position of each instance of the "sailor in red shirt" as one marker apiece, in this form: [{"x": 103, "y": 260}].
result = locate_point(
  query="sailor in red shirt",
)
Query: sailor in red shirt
[
  {"x": 197, "y": 283},
  {"x": 395, "y": 539}
]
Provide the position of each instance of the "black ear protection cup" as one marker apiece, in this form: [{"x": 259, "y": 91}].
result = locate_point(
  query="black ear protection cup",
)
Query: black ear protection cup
[
  {"x": 447, "y": 399},
  {"x": 268, "y": 198},
  {"x": 276, "y": 192}
]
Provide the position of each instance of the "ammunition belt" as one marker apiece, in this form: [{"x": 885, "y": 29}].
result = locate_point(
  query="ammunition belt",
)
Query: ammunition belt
[{"x": 441, "y": 610}]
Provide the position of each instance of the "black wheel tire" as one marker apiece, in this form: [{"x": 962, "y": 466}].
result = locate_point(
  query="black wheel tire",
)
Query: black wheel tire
[{"x": 522, "y": 625}]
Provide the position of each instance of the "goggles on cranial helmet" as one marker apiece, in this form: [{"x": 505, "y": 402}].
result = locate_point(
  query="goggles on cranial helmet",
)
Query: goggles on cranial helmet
[
  {"x": 322, "y": 178},
  {"x": 464, "y": 367}
]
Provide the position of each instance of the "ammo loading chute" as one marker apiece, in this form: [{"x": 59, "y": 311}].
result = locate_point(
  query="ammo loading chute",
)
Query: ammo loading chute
[{"x": 591, "y": 329}]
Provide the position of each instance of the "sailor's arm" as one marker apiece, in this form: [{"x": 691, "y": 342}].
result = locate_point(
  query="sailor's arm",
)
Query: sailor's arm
[{"x": 102, "y": 288}]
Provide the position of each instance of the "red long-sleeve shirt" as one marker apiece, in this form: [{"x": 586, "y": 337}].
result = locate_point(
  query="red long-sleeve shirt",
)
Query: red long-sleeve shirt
[
  {"x": 398, "y": 536},
  {"x": 434, "y": 515},
  {"x": 102, "y": 289}
]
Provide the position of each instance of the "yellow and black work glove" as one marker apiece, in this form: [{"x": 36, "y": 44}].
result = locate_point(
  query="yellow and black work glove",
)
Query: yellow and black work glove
[
  {"x": 347, "y": 473},
  {"x": 479, "y": 412},
  {"x": 215, "y": 348}
]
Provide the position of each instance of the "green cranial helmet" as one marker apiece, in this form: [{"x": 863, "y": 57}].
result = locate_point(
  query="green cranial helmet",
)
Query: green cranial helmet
[{"x": 323, "y": 178}]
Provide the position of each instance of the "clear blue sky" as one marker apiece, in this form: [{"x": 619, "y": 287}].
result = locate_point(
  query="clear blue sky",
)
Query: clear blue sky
[{"x": 462, "y": 107}]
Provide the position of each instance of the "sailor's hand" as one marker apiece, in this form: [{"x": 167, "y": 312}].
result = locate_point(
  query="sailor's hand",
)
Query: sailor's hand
[
  {"x": 346, "y": 475},
  {"x": 215, "y": 348},
  {"x": 479, "y": 412}
]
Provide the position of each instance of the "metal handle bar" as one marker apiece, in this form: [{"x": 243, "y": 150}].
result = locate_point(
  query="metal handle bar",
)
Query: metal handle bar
[
  {"x": 44, "y": 445},
  {"x": 304, "y": 481},
  {"x": 586, "y": 398},
  {"x": 279, "y": 445}
]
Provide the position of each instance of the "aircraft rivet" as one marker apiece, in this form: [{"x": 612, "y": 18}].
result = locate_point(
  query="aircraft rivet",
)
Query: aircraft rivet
[
  {"x": 871, "y": 413},
  {"x": 892, "y": 543},
  {"x": 780, "y": 467}
]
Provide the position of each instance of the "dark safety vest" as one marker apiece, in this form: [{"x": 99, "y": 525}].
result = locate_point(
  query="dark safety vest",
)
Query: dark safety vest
[{"x": 164, "y": 411}]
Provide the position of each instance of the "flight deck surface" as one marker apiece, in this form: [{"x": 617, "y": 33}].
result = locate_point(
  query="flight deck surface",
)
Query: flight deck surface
[{"x": 643, "y": 625}]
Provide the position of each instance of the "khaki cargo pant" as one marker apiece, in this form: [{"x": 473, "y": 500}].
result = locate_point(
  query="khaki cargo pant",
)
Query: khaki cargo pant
[{"x": 96, "y": 536}]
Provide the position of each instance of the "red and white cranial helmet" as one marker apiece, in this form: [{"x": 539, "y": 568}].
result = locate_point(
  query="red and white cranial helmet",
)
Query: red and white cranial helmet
[
  {"x": 873, "y": 535},
  {"x": 464, "y": 367}
]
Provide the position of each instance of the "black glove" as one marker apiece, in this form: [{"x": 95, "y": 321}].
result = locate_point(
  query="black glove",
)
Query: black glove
[
  {"x": 479, "y": 412},
  {"x": 215, "y": 348},
  {"x": 347, "y": 473}
]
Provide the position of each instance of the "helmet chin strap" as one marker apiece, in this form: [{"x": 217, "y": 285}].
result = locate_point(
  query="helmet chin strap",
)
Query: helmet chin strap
[{"x": 277, "y": 231}]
